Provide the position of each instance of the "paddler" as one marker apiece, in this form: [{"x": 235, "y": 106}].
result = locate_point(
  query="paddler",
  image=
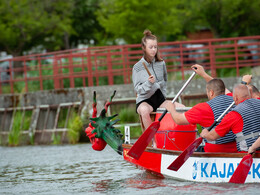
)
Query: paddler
[
  {"x": 206, "y": 113},
  {"x": 243, "y": 121},
  {"x": 254, "y": 91}
]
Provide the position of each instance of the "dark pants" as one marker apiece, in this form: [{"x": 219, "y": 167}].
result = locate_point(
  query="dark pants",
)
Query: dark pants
[{"x": 155, "y": 100}]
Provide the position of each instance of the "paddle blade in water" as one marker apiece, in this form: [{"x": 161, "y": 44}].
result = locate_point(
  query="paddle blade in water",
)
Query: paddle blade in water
[
  {"x": 180, "y": 160},
  {"x": 241, "y": 172},
  {"x": 139, "y": 146}
]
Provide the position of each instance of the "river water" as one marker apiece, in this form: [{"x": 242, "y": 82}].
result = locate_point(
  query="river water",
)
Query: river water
[{"x": 77, "y": 169}]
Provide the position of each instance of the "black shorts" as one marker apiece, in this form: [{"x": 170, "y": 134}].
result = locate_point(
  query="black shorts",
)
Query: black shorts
[{"x": 155, "y": 100}]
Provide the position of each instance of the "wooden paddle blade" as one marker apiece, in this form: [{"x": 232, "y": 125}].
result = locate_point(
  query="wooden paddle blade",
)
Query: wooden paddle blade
[
  {"x": 180, "y": 160},
  {"x": 139, "y": 146},
  {"x": 241, "y": 172}
]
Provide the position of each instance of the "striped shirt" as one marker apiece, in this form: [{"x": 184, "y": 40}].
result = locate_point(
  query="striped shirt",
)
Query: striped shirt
[
  {"x": 250, "y": 112},
  {"x": 218, "y": 105}
]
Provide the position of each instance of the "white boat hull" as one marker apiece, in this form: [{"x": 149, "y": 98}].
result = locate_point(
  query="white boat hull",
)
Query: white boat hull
[
  {"x": 213, "y": 170},
  {"x": 200, "y": 167}
]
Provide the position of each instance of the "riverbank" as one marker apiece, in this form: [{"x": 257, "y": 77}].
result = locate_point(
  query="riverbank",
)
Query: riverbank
[{"x": 61, "y": 116}]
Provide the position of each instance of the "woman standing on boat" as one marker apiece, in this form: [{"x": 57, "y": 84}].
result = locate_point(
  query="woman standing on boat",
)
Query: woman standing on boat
[{"x": 150, "y": 89}]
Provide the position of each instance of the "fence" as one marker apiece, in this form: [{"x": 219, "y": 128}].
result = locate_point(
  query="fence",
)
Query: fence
[
  {"x": 109, "y": 65},
  {"x": 40, "y": 124}
]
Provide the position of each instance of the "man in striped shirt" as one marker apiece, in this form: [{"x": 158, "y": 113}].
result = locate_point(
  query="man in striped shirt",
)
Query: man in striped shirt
[
  {"x": 243, "y": 121},
  {"x": 206, "y": 113}
]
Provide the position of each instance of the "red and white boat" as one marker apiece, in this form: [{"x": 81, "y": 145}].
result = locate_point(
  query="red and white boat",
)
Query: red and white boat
[{"x": 172, "y": 139}]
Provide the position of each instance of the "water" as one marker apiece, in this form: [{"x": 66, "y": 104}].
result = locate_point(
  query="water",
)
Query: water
[{"x": 77, "y": 169}]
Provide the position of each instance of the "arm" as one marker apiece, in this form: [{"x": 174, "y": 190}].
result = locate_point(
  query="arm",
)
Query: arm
[
  {"x": 142, "y": 83},
  {"x": 231, "y": 121},
  {"x": 255, "y": 145},
  {"x": 200, "y": 71},
  {"x": 209, "y": 135},
  {"x": 247, "y": 79},
  {"x": 179, "y": 118}
]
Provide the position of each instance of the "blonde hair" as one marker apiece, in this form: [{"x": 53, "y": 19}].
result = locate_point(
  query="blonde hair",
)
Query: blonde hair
[{"x": 148, "y": 35}]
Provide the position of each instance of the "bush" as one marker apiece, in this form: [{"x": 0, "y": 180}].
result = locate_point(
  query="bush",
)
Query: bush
[
  {"x": 74, "y": 127},
  {"x": 14, "y": 134},
  {"x": 128, "y": 115},
  {"x": 56, "y": 139}
]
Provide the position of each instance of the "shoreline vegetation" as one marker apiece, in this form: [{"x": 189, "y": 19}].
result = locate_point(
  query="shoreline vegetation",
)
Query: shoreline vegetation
[
  {"x": 76, "y": 124},
  {"x": 76, "y": 128}
]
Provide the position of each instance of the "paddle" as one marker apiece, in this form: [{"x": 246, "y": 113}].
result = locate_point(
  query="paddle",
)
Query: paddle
[
  {"x": 180, "y": 160},
  {"x": 139, "y": 146},
  {"x": 241, "y": 172},
  {"x": 147, "y": 69}
]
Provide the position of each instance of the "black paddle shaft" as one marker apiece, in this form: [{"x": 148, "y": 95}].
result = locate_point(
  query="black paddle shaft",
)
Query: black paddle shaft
[
  {"x": 179, "y": 93},
  {"x": 215, "y": 122}
]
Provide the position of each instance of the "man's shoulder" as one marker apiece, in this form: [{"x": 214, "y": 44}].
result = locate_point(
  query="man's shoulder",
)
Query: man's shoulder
[
  {"x": 233, "y": 114},
  {"x": 248, "y": 103},
  {"x": 202, "y": 107},
  {"x": 231, "y": 118}
]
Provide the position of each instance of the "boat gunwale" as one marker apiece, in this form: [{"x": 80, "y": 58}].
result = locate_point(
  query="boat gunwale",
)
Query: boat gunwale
[{"x": 195, "y": 154}]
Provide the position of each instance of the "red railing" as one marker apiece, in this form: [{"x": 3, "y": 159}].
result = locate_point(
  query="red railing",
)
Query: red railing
[{"x": 109, "y": 65}]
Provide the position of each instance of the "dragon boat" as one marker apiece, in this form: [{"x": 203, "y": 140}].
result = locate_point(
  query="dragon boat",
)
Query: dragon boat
[
  {"x": 171, "y": 140},
  {"x": 200, "y": 167}
]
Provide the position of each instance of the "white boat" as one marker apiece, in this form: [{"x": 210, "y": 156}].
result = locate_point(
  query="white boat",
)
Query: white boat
[
  {"x": 172, "y": 139},
  {"x": 200, "y": 167}
]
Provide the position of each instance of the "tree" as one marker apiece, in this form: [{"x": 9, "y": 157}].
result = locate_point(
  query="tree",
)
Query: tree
[
  {"x": 128, "y": 19},
  {"x": 225, "y": 18},
  {"x": 25, "y": 24},
  {"x": 171, "y": 20},
  {"x": 85, "y": 24}
]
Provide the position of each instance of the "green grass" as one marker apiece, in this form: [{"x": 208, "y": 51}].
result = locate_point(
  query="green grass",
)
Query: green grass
[
  {"x": 135, "y": 132},
  {"x": 231, "y": 72},
  {"x": 20, "y": 123},
  {"x": 75, "y": 125},
  {"x": 56, "y": 139},
  {"x": 62, "y": 117},
  {"x": 128, "y": 115},
  {"x": 27, "y": 120},
  {"x": 14, "y": 134}
]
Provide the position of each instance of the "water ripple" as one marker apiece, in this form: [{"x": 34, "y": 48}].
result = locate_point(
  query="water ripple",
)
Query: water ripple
[{"x": 77, "y": 169}]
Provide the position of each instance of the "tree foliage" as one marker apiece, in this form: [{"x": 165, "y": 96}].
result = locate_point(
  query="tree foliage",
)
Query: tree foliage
[
  {"x": 173, "y": 19},
  {"x": 227, "y": 18},
  {"x": 128, "y": 19},
  {"x": 85, "y": 25},
  {"x": 58, "y": 24},
  {"x": 25, "y": 24}
]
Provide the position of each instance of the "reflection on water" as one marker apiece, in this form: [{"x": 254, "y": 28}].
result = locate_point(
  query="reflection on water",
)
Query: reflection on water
[{"x": 77, "y": 169}]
